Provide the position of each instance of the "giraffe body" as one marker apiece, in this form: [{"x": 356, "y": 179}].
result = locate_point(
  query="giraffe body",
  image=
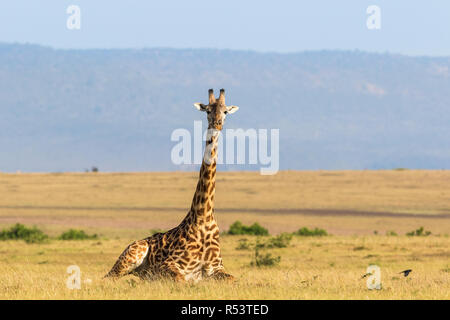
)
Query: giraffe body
[{"x": 190, "y": 251}]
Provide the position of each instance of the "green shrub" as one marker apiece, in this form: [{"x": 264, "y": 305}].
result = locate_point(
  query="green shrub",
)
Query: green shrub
[
  {"x": 266, "y": 259},
  {"x": 419, "y": 233},
  {"x": 280, "y": 241},
  {"x": 74, "y": 234},
  {"x": 391, "y": 233},
  {"x": 244, "y": 244},
  {"x": 21, "y": 232},
  {"x": 305, "y": 232},
  {"x": 255, "y": 229}
]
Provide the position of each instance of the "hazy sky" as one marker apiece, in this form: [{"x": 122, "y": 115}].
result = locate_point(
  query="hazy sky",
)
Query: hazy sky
[{"x": 414, "y": 27}]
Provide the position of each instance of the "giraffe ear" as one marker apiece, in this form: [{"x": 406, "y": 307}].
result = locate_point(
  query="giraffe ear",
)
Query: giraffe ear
[
  {"x": 200, "y": 106},
  {"x": 232, "y": 109}
]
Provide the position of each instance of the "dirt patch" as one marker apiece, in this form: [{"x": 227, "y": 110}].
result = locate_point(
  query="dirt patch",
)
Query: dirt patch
[{"x": 299, "y": 211}]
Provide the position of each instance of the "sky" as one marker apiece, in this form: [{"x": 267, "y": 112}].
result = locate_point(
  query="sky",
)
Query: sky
[{"x": 412, "y": 27}]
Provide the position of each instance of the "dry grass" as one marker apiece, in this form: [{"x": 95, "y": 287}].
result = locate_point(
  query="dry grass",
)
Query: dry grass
[
  {"x": 325, "y": 268},
  {"x": 409, "y": 191},
  {"x": 123, "y": 207}
]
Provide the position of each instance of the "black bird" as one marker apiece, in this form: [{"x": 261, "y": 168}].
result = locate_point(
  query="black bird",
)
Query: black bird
[{"x": 406, "y": 272}]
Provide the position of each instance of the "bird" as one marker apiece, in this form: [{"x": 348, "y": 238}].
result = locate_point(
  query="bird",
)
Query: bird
[
  {"x": 406, "y": 272},
  {"x": 366, "y": 275}
]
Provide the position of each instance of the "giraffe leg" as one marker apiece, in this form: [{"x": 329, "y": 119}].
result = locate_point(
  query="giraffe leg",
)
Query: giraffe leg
[
  {"x": 170, "y": 269},
  {"x": 130, "y": 259},
  {"x": 222, "y": 275},
  {"x": 215, "y": 270}
]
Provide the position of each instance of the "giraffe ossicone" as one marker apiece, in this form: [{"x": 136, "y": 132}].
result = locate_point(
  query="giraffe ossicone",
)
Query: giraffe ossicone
[{"x": 190, "y": 251}]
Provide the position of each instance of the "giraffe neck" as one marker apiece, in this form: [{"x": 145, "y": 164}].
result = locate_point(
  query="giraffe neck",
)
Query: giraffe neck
[{"x": 202, "y": 208}]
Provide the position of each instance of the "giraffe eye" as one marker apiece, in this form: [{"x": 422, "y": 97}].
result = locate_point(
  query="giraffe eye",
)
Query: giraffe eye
[{"x": 226, "y": 112}]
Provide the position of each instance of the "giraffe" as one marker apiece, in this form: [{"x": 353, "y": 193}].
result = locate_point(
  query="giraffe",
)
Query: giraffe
[{"x": 190, "y": 251}]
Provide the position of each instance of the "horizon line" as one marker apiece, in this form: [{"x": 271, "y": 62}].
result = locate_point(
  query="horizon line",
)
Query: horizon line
[
  {"x": 228, "y": 171},
  {"x": 254, "y": 51}
]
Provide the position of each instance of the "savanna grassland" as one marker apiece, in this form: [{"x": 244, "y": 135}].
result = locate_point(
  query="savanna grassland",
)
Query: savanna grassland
[{"x": 366, "y": 213}]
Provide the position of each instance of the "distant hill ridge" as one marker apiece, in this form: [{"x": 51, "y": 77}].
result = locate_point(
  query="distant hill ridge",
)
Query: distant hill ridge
[{"x": 69, "y": 110}]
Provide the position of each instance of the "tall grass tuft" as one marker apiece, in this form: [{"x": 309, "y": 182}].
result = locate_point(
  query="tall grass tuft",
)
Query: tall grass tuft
[{"x": 421, "y": 232}]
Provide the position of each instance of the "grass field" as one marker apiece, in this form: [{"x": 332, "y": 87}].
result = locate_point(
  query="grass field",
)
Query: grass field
[{"x": 357, "y": 208}]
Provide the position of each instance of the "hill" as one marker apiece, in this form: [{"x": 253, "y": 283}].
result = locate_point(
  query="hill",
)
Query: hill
[{"x": 67, "y": 110}]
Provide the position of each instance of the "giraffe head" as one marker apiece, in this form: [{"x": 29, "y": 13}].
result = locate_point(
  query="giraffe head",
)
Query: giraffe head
[{"x": 216, "y": 109}]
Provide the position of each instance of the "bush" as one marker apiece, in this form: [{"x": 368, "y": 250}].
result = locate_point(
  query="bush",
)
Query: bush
[
  {"x": 280, "y": 241},
  {"x": 305, "y": 232},
  {"x": 419, "y": 233},
  {"x": 391, "y": 233},
  {"x": 74, "y": 234},
  {"x": 244, "y": 244},
  {"x": 255, "y": 229},
  {"x": 20, "y": 232},
  {"x": 264, "y": 259}
]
